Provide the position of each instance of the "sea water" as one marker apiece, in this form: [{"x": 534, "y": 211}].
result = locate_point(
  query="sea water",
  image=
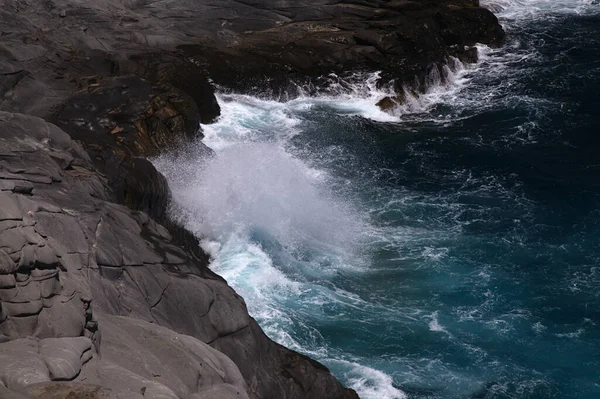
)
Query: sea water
[{"x": 448, "y": 249}]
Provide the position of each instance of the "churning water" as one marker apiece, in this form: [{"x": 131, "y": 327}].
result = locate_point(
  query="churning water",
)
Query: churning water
[{"x": 448, "y": 250}]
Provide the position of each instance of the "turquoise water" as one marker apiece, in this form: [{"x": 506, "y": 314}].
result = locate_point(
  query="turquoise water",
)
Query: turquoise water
[{"x": 450, "y": 250}]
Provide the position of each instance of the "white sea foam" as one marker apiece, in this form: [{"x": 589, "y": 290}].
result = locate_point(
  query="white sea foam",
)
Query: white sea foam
[
  {"x": 354, "y": 95},
  {"x": 434, "y": 324},
  {"x": 443, "y": 85},
  {"x": 368, "y": 382},
  {"x": 538, "y": 328},
  {"x": 248, "y": 268},
  {"x": 574, "y": 334},
  {"x": 360, "y": 93},
  {"x": 247, "y": 119},
  {"x": 512, "y": 11}
]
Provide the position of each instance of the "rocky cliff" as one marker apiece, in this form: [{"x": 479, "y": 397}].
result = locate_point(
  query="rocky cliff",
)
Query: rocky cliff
[{"x": 101, "y": 295}]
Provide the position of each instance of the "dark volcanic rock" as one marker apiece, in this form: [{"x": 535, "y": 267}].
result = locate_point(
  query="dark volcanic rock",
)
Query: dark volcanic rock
[
  {"x": 111, "y": 120},
  {"x": 403, "y": 39},
  {"x": 49, "y": 48}
]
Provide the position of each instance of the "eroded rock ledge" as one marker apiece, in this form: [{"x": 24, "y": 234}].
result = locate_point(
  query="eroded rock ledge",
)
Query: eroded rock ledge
[
  {"x": 49, "y": 49},
  {"x": 101, "y": 295},
  {"x": 304, "y": 42}
]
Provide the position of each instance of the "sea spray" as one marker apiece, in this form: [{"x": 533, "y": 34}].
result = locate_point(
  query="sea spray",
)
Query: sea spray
[
  {"x": 470, "y": 249},
  {"x": 511, "y": 12},
  {"x": 275, "y": 230},
  {"x": 441, "y": 84},
  {"x": 355, "y": 94},
  {"x": 260, "y": 188},
  {"x": 362, "y": 93}
]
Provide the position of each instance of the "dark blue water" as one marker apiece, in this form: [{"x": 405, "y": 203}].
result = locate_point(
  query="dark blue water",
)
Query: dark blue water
[{"x": 454, "y": 253}]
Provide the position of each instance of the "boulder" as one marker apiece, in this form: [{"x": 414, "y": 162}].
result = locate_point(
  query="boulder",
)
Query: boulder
[{"x": 64, "y": 357}]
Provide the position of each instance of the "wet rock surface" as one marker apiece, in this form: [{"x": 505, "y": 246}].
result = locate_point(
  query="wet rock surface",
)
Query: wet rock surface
[
  {"x": 305, "y": 42},
  {"x": 53, "y": 48}
]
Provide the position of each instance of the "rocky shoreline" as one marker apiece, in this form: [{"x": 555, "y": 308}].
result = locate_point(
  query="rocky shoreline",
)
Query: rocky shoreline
[{"x": 101, "y": 294}]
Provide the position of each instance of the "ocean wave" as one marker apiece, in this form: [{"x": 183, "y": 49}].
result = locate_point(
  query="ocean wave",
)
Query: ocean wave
[
  {"x": 399, "y": 259},
  {"x": 368, "y": 382},
  {"x": 513, "y": 11}
]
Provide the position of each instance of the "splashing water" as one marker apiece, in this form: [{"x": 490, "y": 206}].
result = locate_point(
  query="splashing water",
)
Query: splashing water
[
  {"x": 513, "y": 11},
  {"x": 441, "y": 251}
]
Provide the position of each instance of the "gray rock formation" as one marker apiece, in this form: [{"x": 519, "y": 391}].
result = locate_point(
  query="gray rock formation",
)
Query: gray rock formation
[
  {"x": 303, "y": 42},
  {"x": 99, "y": 295},
  {"x": 51, "y": 49}
]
